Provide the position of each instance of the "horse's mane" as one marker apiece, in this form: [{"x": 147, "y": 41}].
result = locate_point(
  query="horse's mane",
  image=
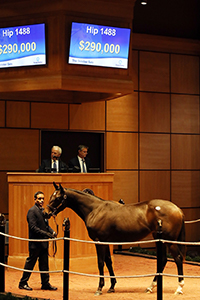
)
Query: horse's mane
[{"x": 83, "y": 193}]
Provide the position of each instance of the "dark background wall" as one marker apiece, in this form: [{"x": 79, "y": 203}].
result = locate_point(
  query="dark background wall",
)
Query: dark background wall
[{"x": 175, "y": 18}]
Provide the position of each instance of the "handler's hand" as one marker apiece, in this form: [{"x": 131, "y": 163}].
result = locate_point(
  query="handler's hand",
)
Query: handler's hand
[
  {"x": 50, "y": 235},
  {"x": 54, "y": 234}
]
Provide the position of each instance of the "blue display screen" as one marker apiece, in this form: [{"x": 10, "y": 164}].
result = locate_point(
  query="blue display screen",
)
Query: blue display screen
[
  {"x": 96, "y": 45},
  {"x": 22, "y": 46}
]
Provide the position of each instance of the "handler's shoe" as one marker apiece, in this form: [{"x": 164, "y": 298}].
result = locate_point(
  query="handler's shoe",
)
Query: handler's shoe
[
  {"x": 49, "y": 287},
  {"x": 25, "y": 287}
]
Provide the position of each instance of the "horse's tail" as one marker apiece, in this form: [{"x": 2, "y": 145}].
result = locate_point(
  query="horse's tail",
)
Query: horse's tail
[{"x": 181, "y": 238}]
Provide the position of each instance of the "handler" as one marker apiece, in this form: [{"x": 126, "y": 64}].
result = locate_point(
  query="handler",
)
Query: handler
[{"x": 38, "y": 229}]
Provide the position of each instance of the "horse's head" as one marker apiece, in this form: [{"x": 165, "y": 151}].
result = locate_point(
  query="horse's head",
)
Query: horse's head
[{"x": 56, "y": 201}]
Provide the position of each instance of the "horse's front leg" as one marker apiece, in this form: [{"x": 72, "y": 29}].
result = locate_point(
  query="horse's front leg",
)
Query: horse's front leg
[
  {"x": 108, "y": 261},
  {"x": 101, "y": 249}
]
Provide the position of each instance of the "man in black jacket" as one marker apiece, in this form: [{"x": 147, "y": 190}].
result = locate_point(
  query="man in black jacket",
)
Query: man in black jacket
[
  {"x": 81, "y": 163},
  {"x": 38, "y": 229},
  {"x": 54, "y": 164}
]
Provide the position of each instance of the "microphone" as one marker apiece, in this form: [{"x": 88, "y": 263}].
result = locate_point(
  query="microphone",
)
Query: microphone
[{"x": 56, "y": 157}]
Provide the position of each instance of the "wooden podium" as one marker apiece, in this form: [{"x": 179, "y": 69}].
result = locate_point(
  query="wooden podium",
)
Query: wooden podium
[{"x": 22, "y": 187}]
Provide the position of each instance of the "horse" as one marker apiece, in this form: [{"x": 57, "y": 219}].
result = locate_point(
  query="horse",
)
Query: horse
[{"x": 108, "y": 221}]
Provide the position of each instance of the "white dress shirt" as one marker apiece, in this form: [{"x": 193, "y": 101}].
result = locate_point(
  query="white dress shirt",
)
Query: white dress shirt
[{"x": 81, "y": 164}]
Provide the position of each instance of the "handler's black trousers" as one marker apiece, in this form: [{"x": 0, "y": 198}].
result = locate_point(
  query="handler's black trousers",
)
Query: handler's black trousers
[{"x": 42, "y": 255}]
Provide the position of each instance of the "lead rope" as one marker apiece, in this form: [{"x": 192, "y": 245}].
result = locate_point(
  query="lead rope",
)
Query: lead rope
[{"x": 54, "y": 242}]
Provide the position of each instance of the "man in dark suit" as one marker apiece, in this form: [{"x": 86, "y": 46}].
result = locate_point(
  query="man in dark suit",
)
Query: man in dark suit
[
  {"x": 55, "y": 164},
  {"x": 80, "y": 163},
  {"x": 38, "y": 229}
]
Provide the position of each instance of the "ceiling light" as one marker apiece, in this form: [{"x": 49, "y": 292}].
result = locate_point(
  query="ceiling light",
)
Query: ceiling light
[{"x": 144, "y": 2}]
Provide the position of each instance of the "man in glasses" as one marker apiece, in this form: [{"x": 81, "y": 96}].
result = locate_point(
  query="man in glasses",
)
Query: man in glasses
[
  {"x": 81, "y": 163},
  {"x": 38, "y": 229}
]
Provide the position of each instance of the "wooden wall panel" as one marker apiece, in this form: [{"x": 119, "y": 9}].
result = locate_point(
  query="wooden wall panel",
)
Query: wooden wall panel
[
  {"x": 154, "y": 72},
  {"x": 49, "y": 115},
  {"x": 184, "y": 74},
  {"x": 88, "y": 116},
  {"x": 125, "y": 186},
  {"x": 17, "y": 114},
  {"x": 122, "y": 113},
  {"x": 154, "y": 112},
  {"x": 135, "y": 69},
  {"x": 4, "y": 193},
  {"x": 185, "y": 152},
  {"x": 154, "y": 185},
  {"x": 185, "y": 113},
  {"x": 164, "y": 44},
  {"x": 21, "y": 149},
  {"x": 192, "y": 230},
  {"x": 122, "y": 151},
  {"x": 2, "y": 113},
  {"x": 185, "y": 188},
  {"x": 154, "y": 151}
]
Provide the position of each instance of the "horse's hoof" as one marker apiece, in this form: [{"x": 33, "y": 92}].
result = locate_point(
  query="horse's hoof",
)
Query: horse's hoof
[
  {"x": 111, "y": 290},
  {"x": 149, "y": 290},
  {"x": 98, "y": 293},
  {"x": 179, "y": 290},
  {"x": 178, "y": 293}
]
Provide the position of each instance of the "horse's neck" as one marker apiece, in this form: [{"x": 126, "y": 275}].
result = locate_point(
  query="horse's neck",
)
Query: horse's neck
[{"x": 82, "y": 205}]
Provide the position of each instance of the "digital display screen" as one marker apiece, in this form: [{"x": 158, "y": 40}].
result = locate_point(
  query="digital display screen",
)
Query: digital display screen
[
  {"x": 96, "y": 45},
  {"x": 22, "y": 46}
]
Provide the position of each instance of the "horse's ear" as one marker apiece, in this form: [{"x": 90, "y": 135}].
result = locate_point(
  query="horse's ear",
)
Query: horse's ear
[
  {"x": 61, "y": 188},
  {"x": 56, "y": 186}
]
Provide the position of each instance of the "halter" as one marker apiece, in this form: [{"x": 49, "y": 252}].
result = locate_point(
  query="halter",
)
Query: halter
[{"x": 54, "y": 209}]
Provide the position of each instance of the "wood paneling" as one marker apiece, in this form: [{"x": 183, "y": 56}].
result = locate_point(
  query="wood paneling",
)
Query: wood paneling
[
  {"x": 49, "y": 115},
  {"x": 2, "y": 113},
  {"x": 184, "y": 74},
  {"x": 17, "y": 114},
  {"x": 192, "y": 230},
  {"x": 122, "y": 113},
  {"x": 185, "y": 152},
  {"x": 125, "y": 186},
  {"x": 185, "y": 188},
  {"x": 20, "y": 149},
  {"x": 154, "y": 185},
  {"x": 154, "y": 112},
  {"x": 87, "y": 116},
  {"x": 4, "y": 193},
  {"x": 122, "y": 151},
  {"x": 185, "y": 113},
  {"x": 22, "y": 187},
  {"x": 164, "y": 44},
  {"x": 154, "y": 72},
  {"x": 135, "y": 69},
  {"x": 154, "y": 151}
]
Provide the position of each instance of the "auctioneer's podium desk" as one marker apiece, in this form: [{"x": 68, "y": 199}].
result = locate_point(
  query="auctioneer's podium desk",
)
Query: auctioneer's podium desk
[{"x": 22, "y": 187}]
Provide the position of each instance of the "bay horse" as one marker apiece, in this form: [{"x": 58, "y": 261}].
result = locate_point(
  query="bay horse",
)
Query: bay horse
[{"x": 108, "y": 221}]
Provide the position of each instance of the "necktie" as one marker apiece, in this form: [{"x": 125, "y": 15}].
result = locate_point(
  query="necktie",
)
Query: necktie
[
  {"x": 54, "y": 167},
  {"x": 84, "y": 171}
]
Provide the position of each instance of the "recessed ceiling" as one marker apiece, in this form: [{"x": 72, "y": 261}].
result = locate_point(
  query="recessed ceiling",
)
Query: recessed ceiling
[{"x": 175, "y": 18}]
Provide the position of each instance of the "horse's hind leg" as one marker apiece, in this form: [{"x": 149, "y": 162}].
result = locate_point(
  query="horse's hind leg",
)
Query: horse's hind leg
[
  {"x": 178, "y": 258},
  {"x": 108, "y": 261},
  {"x": 101, "y": 250},
  {"x": 164, "y": 261}
]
